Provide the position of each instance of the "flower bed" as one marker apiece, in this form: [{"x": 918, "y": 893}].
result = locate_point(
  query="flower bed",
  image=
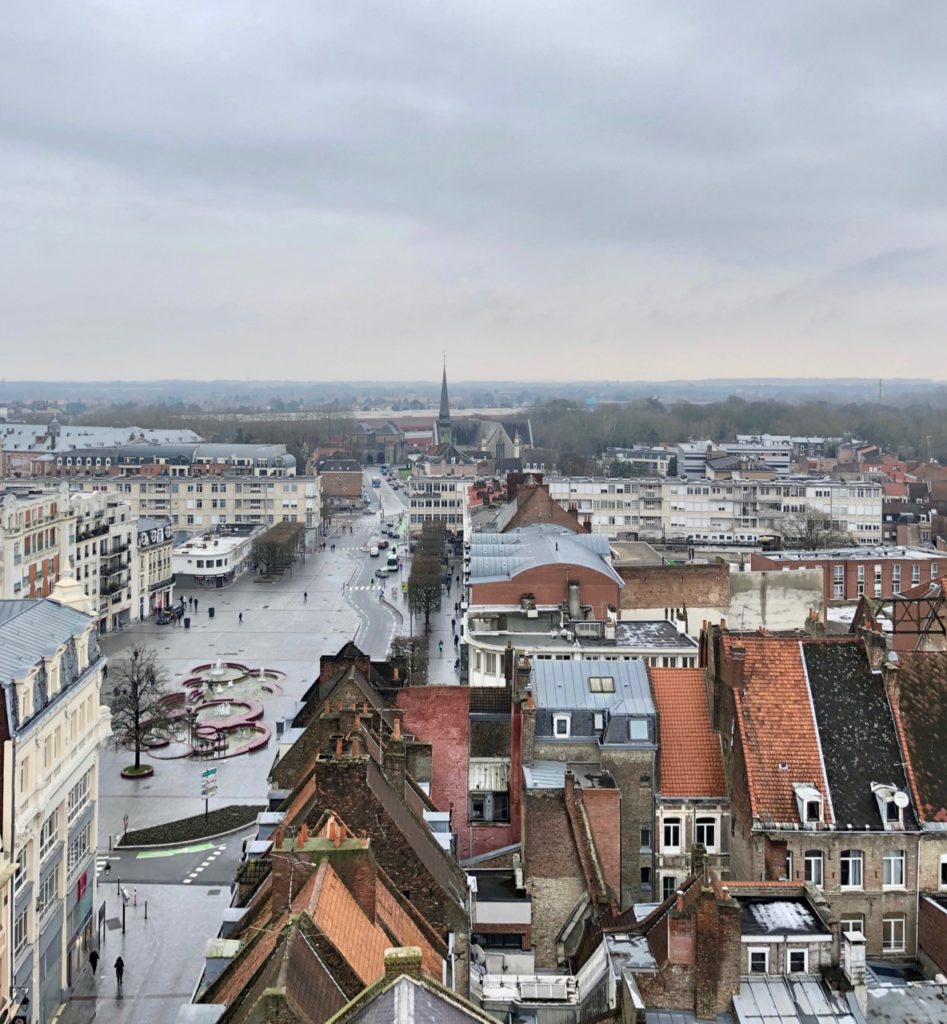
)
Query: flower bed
[{"x": 224, "y": 819}]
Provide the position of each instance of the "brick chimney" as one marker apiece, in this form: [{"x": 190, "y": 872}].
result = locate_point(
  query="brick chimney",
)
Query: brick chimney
[
  {"x": 354, "y": 862},
  {"x": 289, "y": 876},
  {"x": 401, "y": 960},
  {"x": 393, "y": 762},
  {"x": 524, "y": 672},
  {"x": 733, "y": 666},
  {"x": 718, "y": 952}
]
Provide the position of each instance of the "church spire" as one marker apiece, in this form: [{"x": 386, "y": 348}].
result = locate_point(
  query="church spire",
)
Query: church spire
[{"x": 443, "y": 417}]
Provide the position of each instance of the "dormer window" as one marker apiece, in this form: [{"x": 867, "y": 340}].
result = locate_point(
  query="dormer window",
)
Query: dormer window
[
  {"x": 891, "y": 804},
  {"x": 809, "y": 804}
]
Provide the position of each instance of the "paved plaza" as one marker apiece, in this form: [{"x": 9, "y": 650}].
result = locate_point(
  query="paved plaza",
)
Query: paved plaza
[{"x": 330, "y": 598}]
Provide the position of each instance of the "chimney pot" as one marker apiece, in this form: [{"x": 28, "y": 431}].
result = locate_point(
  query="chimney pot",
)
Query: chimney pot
[{"x": 396, "y": 730}]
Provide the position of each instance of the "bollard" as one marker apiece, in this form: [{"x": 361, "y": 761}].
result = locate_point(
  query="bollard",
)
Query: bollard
[
  {"x": 118, "y": 888},
  {"x": 134, "y": 897},
  {"x": 123, "y": 919},
  {"x": 146, "y": 910},
  {"x": 110, "y": 842}
]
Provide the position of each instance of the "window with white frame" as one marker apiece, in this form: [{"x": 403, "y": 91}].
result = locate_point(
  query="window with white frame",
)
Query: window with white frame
[
  {"x": 789, "y": 864},
  {"x": 48, "y": 892},
  {"x": 21, "y": 932},
  {"x": 852, "y": 923},
  {"x": 48, "y": 834},
  {"x": 798, "y": 961},
  {"x": 915, "y": 574},
  {"x": 896, "y": 578},
  {"x": 814, "y": 868},
  {"x": 672, "y": 835},
  {"x": 562, "y": 725},
  {"x": 838, "y": 580},
  {"x": 668, "y": 886},
  {"x": 758, "y": 959},
  {"x": 933, "y": 570},
  {"x": 79, "y": 797},
  {"x": 892, "y": 933},
  {"x": 892, "y": 869},
  {"x": 78, "y": 849},
  {"x": 705, "y": 831},
  {"x": 19, "y": 876},
  {"x": 490, "y": 663},
  {"x": 852, "y": 869}
]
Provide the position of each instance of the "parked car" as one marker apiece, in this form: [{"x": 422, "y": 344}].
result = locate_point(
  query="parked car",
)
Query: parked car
[
  {"x": 367, "y": 511},
  {"x": 383, "y": 543},
  {"x": 382, "y": 573},
  {"x": 373, "y": 552}
]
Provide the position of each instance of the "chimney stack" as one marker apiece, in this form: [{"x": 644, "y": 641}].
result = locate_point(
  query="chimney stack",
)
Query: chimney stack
[{"x": 401, "y": 960}]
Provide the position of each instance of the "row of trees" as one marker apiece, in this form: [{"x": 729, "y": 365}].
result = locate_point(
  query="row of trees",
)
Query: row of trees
[
  {"x": 427, "y": 573},
  {"x": 278, "y": 548},
  {"x": 914, "y": 431}
]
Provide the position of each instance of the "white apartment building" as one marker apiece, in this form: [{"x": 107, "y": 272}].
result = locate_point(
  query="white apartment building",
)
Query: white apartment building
[
  {"x": 103, "y": 555},
  {"x": 440, "y": 499},
  {"x": 727, "y": 511},
  {"x": 34, "y": 538},
  {"x": 195, "y": 505},
  {"x": 53, "y": 724},
  {"x": 213, "y": 560}
]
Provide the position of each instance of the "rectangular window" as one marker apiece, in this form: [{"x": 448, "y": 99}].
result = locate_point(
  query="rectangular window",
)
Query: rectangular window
[
  {"x": 20, "y": 932},
  {"x": 19, "y": 876},
  {"x": 646, "y": 878},
  {"x": 814, "y": 873},
  {"x": 915, "y": 574},
  {"x": 601, "y": 684},
  {"x": 758, "y": 960},
  {"x": 798, "y": 961},
  {"x": 892, "y": 875},
  {"x": 490, "y": 663},
  {"x": 943, "y": 871},
  {"x": 672, "y": 834},
  {"x": 892, "y": 934},
  {"x": 852, "y": 923},
  {"x": 48, "y": 835},
  {"x": 851, "y": 873},
  {"x": 638, "y": 729},
  {"x": 78, "y": 850},
  {"x": 646, "y": 845},
  {"x": 561, "y": 725},
  {"x": 706, "y": 833},
  {"x": 48, "y": 892},
  {"x": 79, "y": 796},
  {"x": 668, "y": 886}
]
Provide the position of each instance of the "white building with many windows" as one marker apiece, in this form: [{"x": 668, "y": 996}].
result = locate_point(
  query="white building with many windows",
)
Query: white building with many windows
[{"x": 52, "y": 726}]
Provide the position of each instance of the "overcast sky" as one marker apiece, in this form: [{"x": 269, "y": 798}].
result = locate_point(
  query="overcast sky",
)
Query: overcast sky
[{"x": 540, "y": 189}]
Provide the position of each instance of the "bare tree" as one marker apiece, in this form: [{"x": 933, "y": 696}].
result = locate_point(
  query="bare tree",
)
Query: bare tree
[
  {"x": 810, "y": 530},
  {"x": 137, "y": 705}
]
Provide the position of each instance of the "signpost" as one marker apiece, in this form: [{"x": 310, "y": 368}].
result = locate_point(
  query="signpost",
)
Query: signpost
[{"x": 208, "y": 787}]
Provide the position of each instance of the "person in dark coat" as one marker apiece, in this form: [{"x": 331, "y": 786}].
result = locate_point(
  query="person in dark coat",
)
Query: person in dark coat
[
  {"x": 94, "y": 960},
  {"x": 119, "y": 971}
]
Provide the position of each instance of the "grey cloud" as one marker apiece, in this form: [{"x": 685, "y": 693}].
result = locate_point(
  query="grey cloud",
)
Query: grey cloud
[{"x": 505, "y": 160}]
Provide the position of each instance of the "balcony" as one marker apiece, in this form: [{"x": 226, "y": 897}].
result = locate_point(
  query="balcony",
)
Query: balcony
[
  {"x": 105, "y": 589},
  {"x": 161, "y": 585},
  {"x": 95, "y": 531}
]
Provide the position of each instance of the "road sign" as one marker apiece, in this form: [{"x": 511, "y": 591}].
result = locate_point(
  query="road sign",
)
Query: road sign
[{"x": 208, "y": 773}]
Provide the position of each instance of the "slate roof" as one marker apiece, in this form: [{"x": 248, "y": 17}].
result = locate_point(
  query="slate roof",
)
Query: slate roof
[
  {"x": 30, "y": 629},
  {"x": 690, "y": 763},
  {"x": 920, "y": 709},
  {"x": 776, "y": 727},
  {"x": 407, "y": 1000},
  {"x": 565, "y": 684},
  {"x": 857, "y": 732}
]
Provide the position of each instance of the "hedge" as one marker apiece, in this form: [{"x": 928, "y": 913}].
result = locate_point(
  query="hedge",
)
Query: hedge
[{"x": 224, "y": 819}]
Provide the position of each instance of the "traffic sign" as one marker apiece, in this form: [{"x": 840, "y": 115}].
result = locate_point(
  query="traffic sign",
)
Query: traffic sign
[{"x": 208, "y": 773}]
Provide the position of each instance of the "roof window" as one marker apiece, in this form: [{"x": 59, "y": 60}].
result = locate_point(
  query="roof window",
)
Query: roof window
[
  {"x": 602, "y": 684},
  {"x": 891, "y": 804},
  {"x": 809, "y": 802}
]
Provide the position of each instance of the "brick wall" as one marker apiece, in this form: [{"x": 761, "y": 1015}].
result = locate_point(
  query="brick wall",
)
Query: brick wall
[
  {"x": 629, "y": 768},
  {"x": 674, "y": 586},
  {"x": 603, "y": 808},
  {"x": 553, "y": 871},
  {"x": 441, "y": 716},
  {"x": 932, "y": 935},
  {"x": 549, "y": 585}
]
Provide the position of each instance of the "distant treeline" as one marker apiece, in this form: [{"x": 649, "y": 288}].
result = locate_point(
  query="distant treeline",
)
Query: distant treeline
[{"x": 910, "y": 431}]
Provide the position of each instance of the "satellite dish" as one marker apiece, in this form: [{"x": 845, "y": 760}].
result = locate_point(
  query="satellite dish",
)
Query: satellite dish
[{"x": 901, "y": 799}]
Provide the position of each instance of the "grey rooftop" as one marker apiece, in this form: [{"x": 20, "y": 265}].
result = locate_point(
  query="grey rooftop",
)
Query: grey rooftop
[
  {"x": 32, "y": 628},
  {"x": 565, "y": 684}
]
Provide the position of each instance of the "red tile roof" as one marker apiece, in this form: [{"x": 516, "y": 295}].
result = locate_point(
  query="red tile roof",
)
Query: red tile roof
[
  {"x": 361, "y": 942},
  {"x": 777, "y": 727},
  {"x": 399, "y": 924},
  {"x": 689, "y": 760}
]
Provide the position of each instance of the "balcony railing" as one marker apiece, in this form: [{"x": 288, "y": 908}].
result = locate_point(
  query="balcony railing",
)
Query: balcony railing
[
  {"x": 161, "y": 584},
  {"x": 95, "y": 531}
]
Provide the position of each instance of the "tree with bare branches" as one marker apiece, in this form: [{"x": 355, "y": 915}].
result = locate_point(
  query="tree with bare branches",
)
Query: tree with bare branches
[{"x": 137, "y": 704}]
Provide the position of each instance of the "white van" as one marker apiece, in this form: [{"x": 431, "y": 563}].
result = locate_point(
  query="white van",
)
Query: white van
[
  {"x": 373, "y": 552},
  {"x": 393, "y": 562}
]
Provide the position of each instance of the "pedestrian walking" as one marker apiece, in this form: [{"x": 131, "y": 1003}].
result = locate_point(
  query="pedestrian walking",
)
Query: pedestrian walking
[
  {"x": 94, "y": 961},
  {"x": 190, "y": 602},
  {"x": 305, "y": 596},
  {"x": 440, "y": 646},
  {"x": 456, "y": 607},
  {"x": 240, "y": 618},
  {"x": 195, "y": 604},
  {"x": 455, "y": 639},
  {"x": 105, "y": 671},
  {"x": 458, "y": 579},
  {"x": 456, "y": 664},
  {"x": 453, "y": 624},
  {"x": 119, "y": 971}
]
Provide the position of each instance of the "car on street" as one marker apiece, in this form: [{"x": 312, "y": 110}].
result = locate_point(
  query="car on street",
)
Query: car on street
[
  {"x": 373, "y": 552},
  {"x": 383, "y": 543},
  {"x": 382, "y": 573},
  {"x": 367, "y": 511}
]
